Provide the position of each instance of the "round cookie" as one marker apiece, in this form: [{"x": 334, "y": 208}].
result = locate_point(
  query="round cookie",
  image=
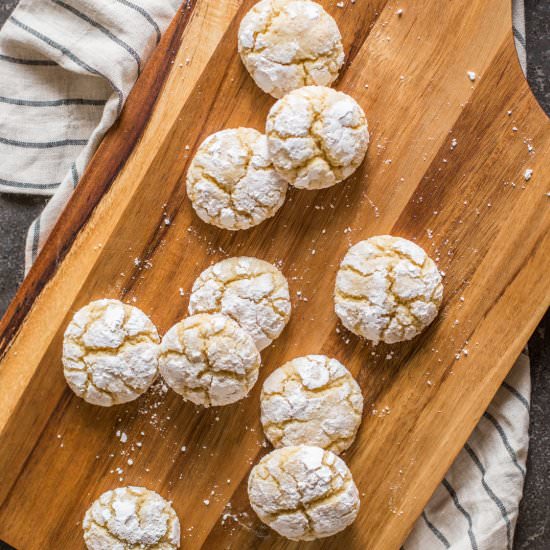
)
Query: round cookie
[
  {"x": 250, "y": 291},
  {"x": 303, "y": 492},
  {"x": 311, "y": 400},
  {"x": 317, "y": 137},
  {"x": 231, "y": 181},
  {"x": 387, "y": 289},
  {"x": 110, "y": 353},
  {"x": 209, "y": 360},
  {"x": 130, "y": 518},
  {"x": 287, "y": 44}
]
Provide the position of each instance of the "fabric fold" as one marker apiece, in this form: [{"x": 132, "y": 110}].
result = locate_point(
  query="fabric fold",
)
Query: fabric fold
[{"x": 66, "y": 70}]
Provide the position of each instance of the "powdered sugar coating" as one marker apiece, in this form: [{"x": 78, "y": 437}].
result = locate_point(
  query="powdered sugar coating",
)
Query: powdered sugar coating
[
  {"x": 231, "y": 181},
  {"x": 252, "y": 292},
  {"x": 287, "y": 44},
  {"x": 303, "y": 492},
  {"x": 311, "y": 400},
  {"x": 110, "y": 353},
  {"x": 209, "y": 360},
  {"x": 131, "y": 518},
  {"x": 317, "y": 137},
  {"x": 387, "y": 289}
]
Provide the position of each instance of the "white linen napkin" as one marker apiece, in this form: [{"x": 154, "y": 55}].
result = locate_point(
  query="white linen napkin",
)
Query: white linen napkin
[{"x": 66, "y": 68}]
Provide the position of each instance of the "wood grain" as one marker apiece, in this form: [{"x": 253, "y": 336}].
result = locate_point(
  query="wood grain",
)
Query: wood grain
[{"x": 488, "y": 235}]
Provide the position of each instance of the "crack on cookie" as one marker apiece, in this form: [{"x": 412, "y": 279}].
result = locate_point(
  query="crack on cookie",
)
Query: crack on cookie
[
  {"x": 338, "y": 485},
  {"x": 394, "y": 305},
  {"x": 201, "y": 382},
  {"x": 95, "y": 313},
  {"x": 139, "y": 499},
  {"x": 275, "y": 300},
  {"x": 294, "y": 170},
  {"x": 265, "y": 199},
  {"x": 340, "y": 385},
  {"x": 330, "y": 55}
]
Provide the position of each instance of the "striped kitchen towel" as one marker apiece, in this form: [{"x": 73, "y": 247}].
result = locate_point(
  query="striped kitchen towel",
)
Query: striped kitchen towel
[{"x": 66, "y": 68}]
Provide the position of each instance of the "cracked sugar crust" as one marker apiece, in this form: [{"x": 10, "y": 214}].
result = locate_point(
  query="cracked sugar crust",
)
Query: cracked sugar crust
[
  {"x": 287, "y": 44},
  {"x": 311, "y": 400},
  {"x": 387, "y": 289},
  {"x": 110, "y": 353},
  {"x": 231, "y": 181},
  {"x": 209, "y": 360},
  {"x": 303, "y": 492},
  {"x": 317, "y": 137},
  {"x": 131, "y": 518},
  {"x": 254, "y": 293}
]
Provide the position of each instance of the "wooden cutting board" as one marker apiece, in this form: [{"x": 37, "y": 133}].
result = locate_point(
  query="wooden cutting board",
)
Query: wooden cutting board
[{"x": 468, "y": 205}]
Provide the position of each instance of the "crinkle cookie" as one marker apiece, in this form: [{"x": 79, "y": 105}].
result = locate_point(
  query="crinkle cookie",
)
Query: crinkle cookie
[
  {"x": 110, "y": 353},
  {"x": 209, "y": 360},
  {"x": 252, "y": 292},
  {"x": 311, "y": 400},
  {"x": 231, "y": 181},
  {"x": 287, "y": 44},
  {"x": 303, "y": 492},
  {"x": 131, "y": 518},
  {"x": 387, "y": 289},
  {"x": 317, "y": 137}
]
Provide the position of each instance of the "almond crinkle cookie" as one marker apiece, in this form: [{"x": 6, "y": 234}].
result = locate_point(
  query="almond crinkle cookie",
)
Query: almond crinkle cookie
[
  {"x": 252, "y": 292},
  {"x": 311, "y": 400},
  {"x": 209, "y": 360},
  {"x": 286, "y": 44},
  {"x": 387, "y": 289},
  {"x": 231, "y": 181},
  {"x": 131, "y": 518},
  {"x": 110, "y": 353},
  {"x": 303, "y": 492},
  {"x": 317, "y": 137}
]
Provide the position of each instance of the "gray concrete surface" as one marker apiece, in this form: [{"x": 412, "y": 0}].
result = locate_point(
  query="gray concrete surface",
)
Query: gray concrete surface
[
  {"x": 16, "y": 214},
  {"x": 537, "y": 21},
  {"x": 533, "y": 527}
]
